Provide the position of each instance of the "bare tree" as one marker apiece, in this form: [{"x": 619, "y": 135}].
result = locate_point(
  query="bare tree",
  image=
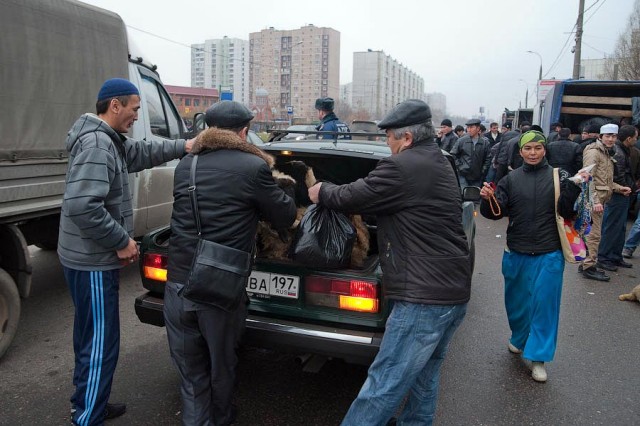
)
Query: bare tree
[{"x": 624, "y": 64}]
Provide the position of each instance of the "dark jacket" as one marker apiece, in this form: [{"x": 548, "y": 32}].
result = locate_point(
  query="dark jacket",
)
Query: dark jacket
[
  {"x": 447, "y": 141},
  {"x": 235, "y": 189},
  {"x": 472, "y": 161},
  {"x": 503, "y": 156},
  {"x": 564, "y": 154},
  {"x": 527, "y": 197},
  {"x": 424, "y": 252},
  {"x": 330, "y": 123},
  {"x": 491, "y": 140},
  {"x": 623, "y": 173}
]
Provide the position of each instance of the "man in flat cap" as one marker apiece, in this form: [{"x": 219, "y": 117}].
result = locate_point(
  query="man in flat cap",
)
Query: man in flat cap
[
  {"x": 473, "y": 155},
  {"x": 600, "y": 154},
  {"x": 95, "y": 239},
  {"x": 234, "y": 189},
  {"x": 425, "y": 259},
  {"x": 329, "y": 122}
]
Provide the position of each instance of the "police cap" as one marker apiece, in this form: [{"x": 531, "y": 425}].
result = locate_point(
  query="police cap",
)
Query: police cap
[
  {"x": 227, "y": 115},
  {"x": 407, "y": 113},
  {"x": 325, "y": 104}
]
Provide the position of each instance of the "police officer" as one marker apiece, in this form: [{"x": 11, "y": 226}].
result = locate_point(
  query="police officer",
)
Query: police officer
[
  {"x": 329, "y": 122},
  {"x": 234, "y": 189}
]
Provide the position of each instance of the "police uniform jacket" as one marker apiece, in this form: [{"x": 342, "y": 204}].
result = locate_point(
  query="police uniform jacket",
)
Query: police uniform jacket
[
  {"x": 423, "y": 250},
  {"x": 330, "y": 123},
  {"x": 235, "y": 189}
]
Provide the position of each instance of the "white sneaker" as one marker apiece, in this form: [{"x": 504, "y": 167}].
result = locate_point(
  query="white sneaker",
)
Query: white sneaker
[
  {"x": 513, "y": 349},
  {"x": 538, "y": 372}
]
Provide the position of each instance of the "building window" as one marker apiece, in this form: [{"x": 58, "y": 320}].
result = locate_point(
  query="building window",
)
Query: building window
[{"x": 187, "y": 102}]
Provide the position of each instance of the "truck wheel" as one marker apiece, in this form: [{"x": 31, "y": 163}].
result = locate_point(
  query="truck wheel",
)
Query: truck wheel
[{"x": 9, "y": 310}]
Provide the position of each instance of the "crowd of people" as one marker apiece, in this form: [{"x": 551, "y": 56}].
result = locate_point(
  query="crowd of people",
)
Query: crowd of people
[
  {"x": 425, "y": 257},
  {"x": 611, "y": 149}
]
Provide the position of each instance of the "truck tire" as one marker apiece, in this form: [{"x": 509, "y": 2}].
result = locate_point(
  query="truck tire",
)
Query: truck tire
[{"x": 9, "y": 311}]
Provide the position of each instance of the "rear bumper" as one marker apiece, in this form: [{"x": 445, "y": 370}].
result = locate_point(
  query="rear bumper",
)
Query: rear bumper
[{"x": 353, "y": 346}]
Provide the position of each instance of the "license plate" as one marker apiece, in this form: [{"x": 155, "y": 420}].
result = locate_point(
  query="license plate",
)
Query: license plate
[{"x": 272, "y": 284}]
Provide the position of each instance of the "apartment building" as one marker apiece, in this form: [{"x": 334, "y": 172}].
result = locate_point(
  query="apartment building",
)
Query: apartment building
[
  {"x": 295, "y": 67},
  {"x": 380, "y": 82},
  {"x": 222, "y": 64}
]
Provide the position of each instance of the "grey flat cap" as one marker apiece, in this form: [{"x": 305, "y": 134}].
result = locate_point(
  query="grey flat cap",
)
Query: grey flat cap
[
  {"x": 473, "y": 122},
  {"x": 227, "y": 115},
  {"x": 407, "y": 113}
]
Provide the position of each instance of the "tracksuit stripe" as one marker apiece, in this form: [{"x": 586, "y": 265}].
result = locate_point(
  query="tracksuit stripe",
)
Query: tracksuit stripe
[{"x": 97, "y": 346}]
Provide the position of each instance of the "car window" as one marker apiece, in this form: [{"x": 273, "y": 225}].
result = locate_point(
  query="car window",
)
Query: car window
[{"x": 162, "y": 118}]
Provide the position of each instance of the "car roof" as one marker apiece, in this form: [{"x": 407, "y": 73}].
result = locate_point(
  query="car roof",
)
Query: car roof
[{"x": 339, "y": 148}]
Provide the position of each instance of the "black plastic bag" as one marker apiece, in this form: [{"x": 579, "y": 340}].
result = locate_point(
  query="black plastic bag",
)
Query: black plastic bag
[{"x": 324, "y": 239}]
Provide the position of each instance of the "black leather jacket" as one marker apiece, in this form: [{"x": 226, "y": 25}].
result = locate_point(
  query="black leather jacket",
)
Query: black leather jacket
[
  {"x": 423, "y": 250},
  {"x": 235, "y": 189}
]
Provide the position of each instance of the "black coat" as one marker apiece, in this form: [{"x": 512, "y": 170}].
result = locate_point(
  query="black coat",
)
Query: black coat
[
  {"x": 564, "y": 154},
  {"x": 527, "y": 197},
  {"x": 423, "y": 249},
  {"x": 472, "y": 161},
  {"x": 235, "y": 189}
]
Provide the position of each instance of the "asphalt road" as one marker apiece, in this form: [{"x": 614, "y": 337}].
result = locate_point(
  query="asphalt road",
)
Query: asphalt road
[{"x": 594, "y": 380}]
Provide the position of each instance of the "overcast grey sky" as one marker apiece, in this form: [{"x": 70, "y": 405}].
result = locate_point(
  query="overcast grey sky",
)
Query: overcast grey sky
[{"x": 472, "y": 51}]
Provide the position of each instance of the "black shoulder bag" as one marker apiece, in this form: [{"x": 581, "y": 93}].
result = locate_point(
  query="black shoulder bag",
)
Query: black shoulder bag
[{"x": 219, "y": 274}]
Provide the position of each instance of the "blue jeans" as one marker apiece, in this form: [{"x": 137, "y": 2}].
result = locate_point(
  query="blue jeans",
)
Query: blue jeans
[
  {"x": 411, "y": 353},
  {"x": 532, "y": 292},
  {"x": 614, "y": 227},
  {"x": 633, "y": 240}
]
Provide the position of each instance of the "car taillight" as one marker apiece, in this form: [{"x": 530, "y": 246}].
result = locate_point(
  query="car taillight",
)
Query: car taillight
[
  {"x": 351, "y": 295},
  {"x": 154, "y": 267}
]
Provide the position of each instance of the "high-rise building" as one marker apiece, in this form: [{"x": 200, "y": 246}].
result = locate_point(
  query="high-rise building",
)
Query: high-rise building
[
  {"x": 380, "y": 82},
  {"x": 295, "y": 67},
  {"x": 593, "y": 69},
  {"x": 437, "y": 102},
  {"x": 222, "y": 64}
]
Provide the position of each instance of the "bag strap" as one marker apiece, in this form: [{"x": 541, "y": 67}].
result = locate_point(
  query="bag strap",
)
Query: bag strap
[
  {"x": 556, "y": 188},
  {"x": 193, "y": 195}
]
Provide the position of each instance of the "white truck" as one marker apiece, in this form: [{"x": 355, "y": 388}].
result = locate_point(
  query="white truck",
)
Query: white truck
[{"x": 54, "y": 57}]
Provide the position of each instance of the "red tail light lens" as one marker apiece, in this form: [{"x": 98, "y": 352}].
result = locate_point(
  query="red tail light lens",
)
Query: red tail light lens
[
  {"x": 155, "y": 267},
  {"x": 352, "y": 295}
]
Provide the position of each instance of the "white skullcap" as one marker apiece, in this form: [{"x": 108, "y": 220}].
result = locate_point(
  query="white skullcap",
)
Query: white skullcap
[{"x": 609, "y": 128}]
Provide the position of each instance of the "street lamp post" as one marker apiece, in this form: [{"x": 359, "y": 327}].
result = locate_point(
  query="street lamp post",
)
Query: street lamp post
[
  {"x": 526, "y": 96},
  {"x": 539, "y": 73}
]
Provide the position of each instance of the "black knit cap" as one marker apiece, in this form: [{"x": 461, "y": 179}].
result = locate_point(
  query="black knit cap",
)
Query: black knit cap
[{"x": 227, "y": 115}]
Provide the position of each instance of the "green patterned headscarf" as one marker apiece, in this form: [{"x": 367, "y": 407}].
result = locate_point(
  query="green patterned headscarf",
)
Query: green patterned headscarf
[{"x": 531, "y": 136}]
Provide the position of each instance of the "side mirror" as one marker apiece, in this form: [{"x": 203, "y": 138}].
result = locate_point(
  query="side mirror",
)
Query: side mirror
[
  {"x": 198, "y": 122},
  {"x": 471, "y": 193}
]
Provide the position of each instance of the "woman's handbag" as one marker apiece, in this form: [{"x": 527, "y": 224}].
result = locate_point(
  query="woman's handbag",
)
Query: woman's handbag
[
  {"x": 218, "y": 274},
  {"x": 573, "y": 247}
]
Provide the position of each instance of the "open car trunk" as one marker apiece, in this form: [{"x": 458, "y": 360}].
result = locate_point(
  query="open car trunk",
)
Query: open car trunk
[{"x": 335, "y": 169}]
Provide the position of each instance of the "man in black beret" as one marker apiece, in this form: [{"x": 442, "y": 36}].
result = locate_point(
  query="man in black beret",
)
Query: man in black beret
[
  {"x": 425, "y": 259},
  {"x": 329, "y": 122},
  {"x": 228, "y": 115},
  {"x": 473, "y": 155},
  {"x": 235, "y": 188}
]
